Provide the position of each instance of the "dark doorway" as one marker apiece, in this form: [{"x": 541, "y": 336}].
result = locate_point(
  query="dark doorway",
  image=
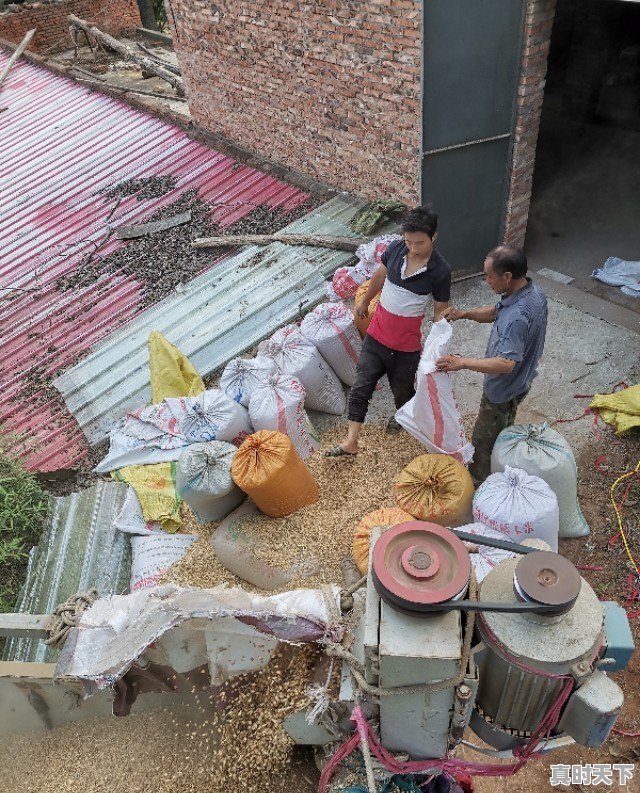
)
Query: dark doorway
[{"x": 586, "y": 187}]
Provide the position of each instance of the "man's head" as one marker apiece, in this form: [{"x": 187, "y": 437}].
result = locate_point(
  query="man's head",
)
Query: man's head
[
  {"x": 505, "y": 268},
  {"x": 420, "y": 226}
]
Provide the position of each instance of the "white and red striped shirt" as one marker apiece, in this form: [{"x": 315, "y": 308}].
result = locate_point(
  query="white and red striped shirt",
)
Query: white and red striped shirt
[{"x": 404, "y": 299}]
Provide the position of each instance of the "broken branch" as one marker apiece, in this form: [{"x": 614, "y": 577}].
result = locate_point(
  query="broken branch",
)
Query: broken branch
[
  {"x": 19, "y": 50},
  {"x": 128, "y": 54},
  {"x": 312, "y": 240},
  {"x": 165, "y": 64}
]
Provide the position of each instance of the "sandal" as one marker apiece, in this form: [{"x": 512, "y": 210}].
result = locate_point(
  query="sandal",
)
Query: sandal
[{"x": 338, "y": 451}]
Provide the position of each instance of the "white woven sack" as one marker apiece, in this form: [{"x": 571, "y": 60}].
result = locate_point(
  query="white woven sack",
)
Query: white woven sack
[
  {"x": 152, "y": 556},
  {"x": 433, "y": 416},
  {"x": 203, "y": 480},
  {"x": 130, "y": 519},
  {"x": 241, "y": 375},
  {"x": 278, "y": 405},
  {"x": 541, "y": 451},
  {"x": 486, "y": 557},
  {"x": 331, "y": 328},
  {"x": 299, "y": 358},
  {"x": 519, "y": 506},
  {"x": 210, "y": 416}
]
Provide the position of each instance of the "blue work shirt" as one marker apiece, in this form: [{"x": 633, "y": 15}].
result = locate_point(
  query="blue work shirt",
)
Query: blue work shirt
[{"x": 517, "y": 334}]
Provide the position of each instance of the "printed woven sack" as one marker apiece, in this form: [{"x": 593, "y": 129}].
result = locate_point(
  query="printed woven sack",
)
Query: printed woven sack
[
  {"x": 331, "y": 328},
  {"x": 541, "y": 451},
  {"x": 242, "y": 375},
  {"x": 432, "y": 416},
  {"x": 299, "y": 358},
  {"x": 519, "y": 506},
  {"x": 278, "y": 404}
]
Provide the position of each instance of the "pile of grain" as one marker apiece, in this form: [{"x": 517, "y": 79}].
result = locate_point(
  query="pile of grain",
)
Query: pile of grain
[
  {"x": 202, "y": 747},
  {"x": 349, "y": 488}
]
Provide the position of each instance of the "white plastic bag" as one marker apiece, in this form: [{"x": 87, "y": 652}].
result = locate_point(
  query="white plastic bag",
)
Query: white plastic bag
[
  {"x": 152, "y": 556},
  {"x": 203, "y": 480},
  {"x": 519, "y": 506},
  {"x": 541, "y": 451},
  {"x": 130, "y": 519},
  {"x": 346, "y": 280},
  {"x": 242, "y": 375},
  {"x": 299, "y": 358},
  {"x": 158, "y": 433},
  {"x": 486, "y": 557},
  {"x": 433, "y": 416},
  {"x": 331, "y": 328},
  {"x": 278, "y": 404}
]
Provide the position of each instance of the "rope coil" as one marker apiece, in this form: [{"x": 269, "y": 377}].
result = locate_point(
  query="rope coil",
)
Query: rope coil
[{"x": 67, "y": 615}]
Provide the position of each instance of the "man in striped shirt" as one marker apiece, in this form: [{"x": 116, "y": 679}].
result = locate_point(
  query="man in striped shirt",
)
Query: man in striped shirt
[{"x": 412, "y": 275}]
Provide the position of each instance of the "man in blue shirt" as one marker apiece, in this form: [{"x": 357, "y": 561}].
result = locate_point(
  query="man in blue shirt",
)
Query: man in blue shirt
[{"x": 514, "y": 349}]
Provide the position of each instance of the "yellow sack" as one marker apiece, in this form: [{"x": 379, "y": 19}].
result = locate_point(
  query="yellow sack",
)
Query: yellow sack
[
  {"x": 363, "y": 324},
  {"x": 621, "y": 410},
  {"x": 172, "y": 374},
  {"x": 155, "y": 486},
  {"x": 269, "y": 470},
  {"x": 436, "y": 488},
  {"x": 387, "y": 516}
]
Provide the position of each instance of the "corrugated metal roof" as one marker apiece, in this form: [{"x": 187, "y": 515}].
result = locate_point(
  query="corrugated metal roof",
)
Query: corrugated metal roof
[
  {"x": 219, "y": 315},
  {"x": 80, "y": 548},
  {"x": 60, "y": 144}
]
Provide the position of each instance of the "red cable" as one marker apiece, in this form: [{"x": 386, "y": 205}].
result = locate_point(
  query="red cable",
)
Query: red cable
[{"x": 625, "y": 733}]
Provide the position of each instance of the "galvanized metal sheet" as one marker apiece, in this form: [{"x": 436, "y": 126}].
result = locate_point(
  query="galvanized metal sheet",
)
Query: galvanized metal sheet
[
  {"x": 219, "y": 315},
  {"x": 60, "y": 145},
  {"x": 80, "y": 548}
]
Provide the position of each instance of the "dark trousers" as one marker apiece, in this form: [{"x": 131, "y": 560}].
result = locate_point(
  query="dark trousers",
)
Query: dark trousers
[
  {"x": 493, "y": 417},
  {"x": 375, "y": 361}
]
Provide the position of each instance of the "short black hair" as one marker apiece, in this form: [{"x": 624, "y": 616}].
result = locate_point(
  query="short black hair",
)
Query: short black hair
[
  {"x": 421, "y": 219},
  {"x": 506, "y": 259}
]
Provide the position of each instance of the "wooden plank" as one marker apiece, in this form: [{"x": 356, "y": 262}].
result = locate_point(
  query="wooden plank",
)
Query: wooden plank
[
  {"x": 28, "y": 626},
  {"x": 144, "y": 229},
  {"x": 21, "y": 48}
]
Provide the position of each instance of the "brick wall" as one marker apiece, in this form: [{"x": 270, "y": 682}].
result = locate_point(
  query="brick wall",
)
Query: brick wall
[
  {"x": 330, "y": 89},
  {"x": 49, "y": 17},
  {"x": 533, "y": 70}
]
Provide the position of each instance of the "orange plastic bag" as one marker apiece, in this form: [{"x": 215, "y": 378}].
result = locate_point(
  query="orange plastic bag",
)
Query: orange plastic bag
[
  {"x": 363, "y": 324},
  {"x": 436, "y": 488},
  {"x": 269, "y": 470},
  {"x": 387, "y": 516}
]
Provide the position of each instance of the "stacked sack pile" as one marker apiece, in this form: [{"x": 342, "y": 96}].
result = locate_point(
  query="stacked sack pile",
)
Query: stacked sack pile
[{"x": 211, "y": 448}]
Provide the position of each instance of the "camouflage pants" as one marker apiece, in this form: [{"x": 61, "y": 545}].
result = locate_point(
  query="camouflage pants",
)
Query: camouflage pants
[{"x": 493, "y": 417}]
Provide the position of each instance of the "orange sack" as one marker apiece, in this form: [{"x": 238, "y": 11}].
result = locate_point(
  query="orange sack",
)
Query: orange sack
[
  {"x": 269, "y": 470},
  {"x": 363, "y": 324},
  {"x": 436, "y": 488},
  {"x": 387, "y": 516}
]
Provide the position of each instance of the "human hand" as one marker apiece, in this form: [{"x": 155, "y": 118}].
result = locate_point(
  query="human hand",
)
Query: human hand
[
  {"x": 451, "y": 314},
  {"x": 450, "y": 363},
  {"x": 362, "y": 309}
]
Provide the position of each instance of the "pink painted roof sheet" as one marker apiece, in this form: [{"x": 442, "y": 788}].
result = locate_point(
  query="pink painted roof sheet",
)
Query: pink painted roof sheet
[{"x": 60, "y": 144}]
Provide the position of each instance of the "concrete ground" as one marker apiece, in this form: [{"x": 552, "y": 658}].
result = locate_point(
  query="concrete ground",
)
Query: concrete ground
[
  {"x": 585, "y": 353},
  {"x": 586, "y": 200}
]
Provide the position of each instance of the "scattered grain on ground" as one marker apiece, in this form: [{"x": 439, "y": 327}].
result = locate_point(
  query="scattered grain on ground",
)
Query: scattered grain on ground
[{"x": 322, "y": 532}]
